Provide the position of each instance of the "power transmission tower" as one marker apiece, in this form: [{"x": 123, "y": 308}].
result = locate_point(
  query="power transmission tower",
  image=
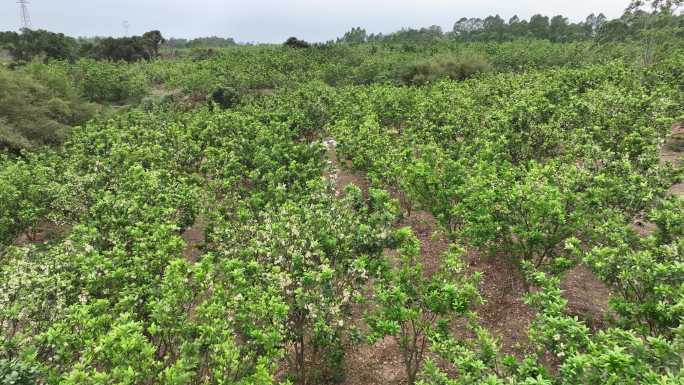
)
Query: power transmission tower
[
  {"x": 25, "y": 18},
  {"x": 126, "y": 26}
]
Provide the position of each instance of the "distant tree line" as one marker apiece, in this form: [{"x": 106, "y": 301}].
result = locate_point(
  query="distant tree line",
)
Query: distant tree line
[
  {"x": 130, "y": 49},
  {"x": 27, "y": 44},
  {"x": 634, "y": 24},
  {"x": 30, "y": 44},
  {"x": 558, "y": 28},
  {"x": 293, "y": 42},
  {"x": 201, "y": 42}
]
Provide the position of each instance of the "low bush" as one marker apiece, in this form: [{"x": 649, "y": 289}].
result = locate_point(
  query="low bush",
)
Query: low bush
[
  {"x": 108, "y": 81},
  {"x": 451, "y": 67},
  {"x": 17, "y": 373},
  {"x": 293, "y": 42},
  {"x": 37, "y": 107},
  {"x": 226, "y": 97}
]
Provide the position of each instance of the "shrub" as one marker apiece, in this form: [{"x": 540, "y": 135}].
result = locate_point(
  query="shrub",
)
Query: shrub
[
  {"x": 17, "y": 373},
  {"x": 108, "y": 82},
  {"x": 293, "y": 42},
  {"x": 455, "y": 68},
  {"x": 26, "y": 193},
  {"x": 412, "y": 308},
  {"x": 37, "y": 107},
  {"x": 130, "y": 49},
  {"x": 199, "y": 54},
  {"x": 226, "y": 97},
  {"x": 30, "y": 44}
]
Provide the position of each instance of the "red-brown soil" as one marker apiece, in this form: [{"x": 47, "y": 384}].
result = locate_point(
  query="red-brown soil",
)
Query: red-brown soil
[
  {"x": 504, "y": 312},
  {"x": 194, "y": 239}
]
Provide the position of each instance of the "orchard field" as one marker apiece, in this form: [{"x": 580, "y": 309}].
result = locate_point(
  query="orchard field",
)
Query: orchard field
[{"x": 434, "y": 212}]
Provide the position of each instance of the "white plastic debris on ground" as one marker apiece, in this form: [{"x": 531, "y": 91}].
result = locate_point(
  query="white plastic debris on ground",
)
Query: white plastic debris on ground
[{"x": 330, "y": 143}]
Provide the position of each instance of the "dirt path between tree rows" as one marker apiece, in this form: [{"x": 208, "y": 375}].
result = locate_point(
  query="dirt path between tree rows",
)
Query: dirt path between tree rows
[
  {"x": 194, "y": 239},
  {"x": 671, "y": 152},
  {"x": 504, "y": 313}
]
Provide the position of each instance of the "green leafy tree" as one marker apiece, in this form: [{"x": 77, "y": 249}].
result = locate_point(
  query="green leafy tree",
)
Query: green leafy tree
[
  {"x": 356, "y": 35},
  {"x": 38, "y": 107},
  {"x": 412, "y": 307},
  {"x": 539, "y": 26},
  {"x": 321, "y": 255},
  {"x": 662, "y": 6},
  {"x": 38, "y": 44},
  {"x": 613, "y": 355},
  {"x": 647, "y": 274},
  {"x": 559, "y": 29},
  {"x": 153, "y": 40},
  {"x": 13, "y": 372},
  {"x": 293, "y": 42},
  {"x": 479, "y": 360},
  {"x": 27, "y": 195}
]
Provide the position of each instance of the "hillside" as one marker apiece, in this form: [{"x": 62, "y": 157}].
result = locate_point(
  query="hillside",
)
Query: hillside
[{"x": 383, "y": 211}]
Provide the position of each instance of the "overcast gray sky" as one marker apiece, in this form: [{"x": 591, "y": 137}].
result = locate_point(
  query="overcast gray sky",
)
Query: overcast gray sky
[{"x": 275, "y": 20}]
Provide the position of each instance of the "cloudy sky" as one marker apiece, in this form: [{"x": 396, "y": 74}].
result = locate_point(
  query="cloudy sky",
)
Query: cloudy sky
[{"x": 275, "y": 20}]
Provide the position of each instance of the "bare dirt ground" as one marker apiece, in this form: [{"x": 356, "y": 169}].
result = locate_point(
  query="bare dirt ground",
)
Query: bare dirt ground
[
  {"x": 375, "y": 364},
  {"x": 587, "y": 296},
  {"x": 45, "y": 231},
  {"x": 343, "y": 174},
  {"x": 194, "y": 239},
  {"x": 672, "y": 152},
  {"x": 673, "y": 148},
  {"x": 381, "y": 363},
  {"x": 504, "y": 312}
]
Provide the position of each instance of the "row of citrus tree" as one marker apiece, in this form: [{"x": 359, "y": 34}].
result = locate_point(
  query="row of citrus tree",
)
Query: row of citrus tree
[
  {"x": 549, "y": 169},
  {"x": 116, "y": 299}
]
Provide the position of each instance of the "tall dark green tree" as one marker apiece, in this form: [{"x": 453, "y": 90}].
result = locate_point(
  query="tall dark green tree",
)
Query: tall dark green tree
[
  {"x": 153, "y": 40},
  {"x": 559, "y": 29},
  {"x": 539, "y": 26},
  {"x": 495, "y": 28},
  {"x": 30, "y": 44},
  {"x": 356, "y": 35}
]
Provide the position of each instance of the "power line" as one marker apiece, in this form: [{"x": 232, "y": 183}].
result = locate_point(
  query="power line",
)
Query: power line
[{"x": 25, "y": 17}]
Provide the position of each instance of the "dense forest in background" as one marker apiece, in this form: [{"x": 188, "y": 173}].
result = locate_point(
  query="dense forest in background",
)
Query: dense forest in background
[
  {"x": 559, "y": 29},
  {"x": 30, "y": 44},
  {"x": 631, "y": 26}
]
